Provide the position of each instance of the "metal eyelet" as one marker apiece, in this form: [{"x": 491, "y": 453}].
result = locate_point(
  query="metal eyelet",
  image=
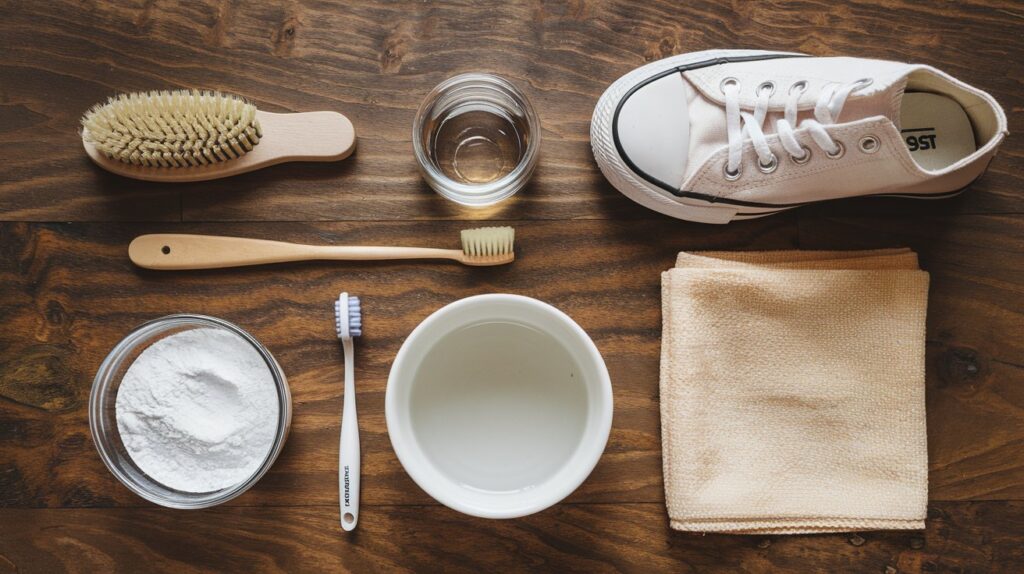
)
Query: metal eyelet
[
  {"x": 800, "y": 86},
  {"x": 730, "y": 175},
  {"x": 769, "y": 85},
  {"x": 863, "y": 83},
  {"x": 869, "y": 144},
  {"x": 839, "y": 152},
  {"x": 769, "y": 167},
  {"x": 802, "y": 159},
  {"x": 727, "y": 82}
]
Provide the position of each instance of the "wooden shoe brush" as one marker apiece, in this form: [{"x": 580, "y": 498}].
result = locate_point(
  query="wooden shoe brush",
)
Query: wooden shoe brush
[
  {"x": 169, "y": 251},
  {"x": 193, "y": 135}
]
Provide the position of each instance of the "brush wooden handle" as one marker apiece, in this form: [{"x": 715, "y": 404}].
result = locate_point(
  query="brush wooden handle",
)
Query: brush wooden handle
[
  {"x": 306, "y": 136},
  {"x": 170, "y": 251}
]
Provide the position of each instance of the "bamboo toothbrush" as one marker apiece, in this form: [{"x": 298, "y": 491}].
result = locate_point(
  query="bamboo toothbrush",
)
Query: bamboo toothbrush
[
  {"x": 193, "y": 135},
  {"x": 168, "y": 251},
  {"x": 348, "y": 320}
]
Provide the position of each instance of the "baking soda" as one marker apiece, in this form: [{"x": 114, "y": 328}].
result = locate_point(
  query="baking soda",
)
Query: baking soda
[{"x": 198, "y": 410}]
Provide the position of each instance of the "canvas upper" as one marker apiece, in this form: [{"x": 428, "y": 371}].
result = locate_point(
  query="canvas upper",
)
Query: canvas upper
[{"x": 661, "y": 134}]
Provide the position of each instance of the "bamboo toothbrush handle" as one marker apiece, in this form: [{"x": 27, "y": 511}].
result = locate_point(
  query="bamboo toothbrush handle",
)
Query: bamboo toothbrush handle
[{"x": 170, "y": 251}]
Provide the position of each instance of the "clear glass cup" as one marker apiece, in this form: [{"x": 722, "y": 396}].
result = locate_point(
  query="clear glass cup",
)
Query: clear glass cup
[
  {"x": 477, "y": 139},
  {"x": 103, "y": 417}
]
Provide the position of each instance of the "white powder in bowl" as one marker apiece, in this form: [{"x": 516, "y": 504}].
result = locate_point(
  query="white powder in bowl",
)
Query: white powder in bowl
[{"x": 198, "y": 410}]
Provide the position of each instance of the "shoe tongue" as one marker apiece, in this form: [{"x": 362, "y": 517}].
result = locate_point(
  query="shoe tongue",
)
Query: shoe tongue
[
  {"x": 707, "y": 127},
  {"x": 874, "y": 101}
]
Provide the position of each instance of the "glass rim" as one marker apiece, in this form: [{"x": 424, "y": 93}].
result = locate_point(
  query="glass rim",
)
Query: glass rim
[{"x": 492, "y": 191}]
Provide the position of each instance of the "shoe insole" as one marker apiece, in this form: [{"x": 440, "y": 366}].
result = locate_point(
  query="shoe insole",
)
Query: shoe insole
[{"x": 935, "y": 129}]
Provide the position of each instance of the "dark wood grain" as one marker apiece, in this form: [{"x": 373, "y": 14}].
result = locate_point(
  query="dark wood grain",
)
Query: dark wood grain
[
  {"x": 375, "y": 62},
  {"x": 961, "y": 537},
  {"x": 68, "y": 292},
  {"x": 72, "y": 287},
  {"x": 78, "y": 294}
]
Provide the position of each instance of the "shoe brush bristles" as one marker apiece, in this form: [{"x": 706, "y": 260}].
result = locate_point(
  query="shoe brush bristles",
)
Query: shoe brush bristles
[
  {"x": 351, "y": 323},
  {"x": 173, "y": 128},
  {"x": 489, "y": 243}
]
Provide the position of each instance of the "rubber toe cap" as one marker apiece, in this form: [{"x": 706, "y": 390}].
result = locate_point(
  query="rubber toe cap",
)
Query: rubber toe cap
[{"x": 653, "y": 129}]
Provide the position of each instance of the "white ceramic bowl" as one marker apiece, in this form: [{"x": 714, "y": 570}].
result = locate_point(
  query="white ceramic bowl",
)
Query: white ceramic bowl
[{"x": 499, "y": 406}]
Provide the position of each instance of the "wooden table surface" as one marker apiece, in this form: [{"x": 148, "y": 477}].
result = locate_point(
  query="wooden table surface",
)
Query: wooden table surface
[{"x": 68, "y": 292}]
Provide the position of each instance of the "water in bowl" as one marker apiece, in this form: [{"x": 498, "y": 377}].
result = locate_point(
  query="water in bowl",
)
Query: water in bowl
[{"x": 498, "y": 407}]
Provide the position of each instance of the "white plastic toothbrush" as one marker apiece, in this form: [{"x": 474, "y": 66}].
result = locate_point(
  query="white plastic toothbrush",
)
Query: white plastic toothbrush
[{"x": 349, "y": 322}]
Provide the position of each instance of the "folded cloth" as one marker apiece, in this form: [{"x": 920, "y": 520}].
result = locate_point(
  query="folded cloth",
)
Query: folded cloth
[{"x": 792, "y": 391}]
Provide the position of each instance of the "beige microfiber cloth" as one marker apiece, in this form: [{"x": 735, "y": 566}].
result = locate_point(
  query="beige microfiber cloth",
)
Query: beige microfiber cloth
[{"x": 792, "y": 391}]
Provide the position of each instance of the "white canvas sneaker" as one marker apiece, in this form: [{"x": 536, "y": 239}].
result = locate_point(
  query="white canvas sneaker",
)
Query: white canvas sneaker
[{"x": 734, "y": 134}]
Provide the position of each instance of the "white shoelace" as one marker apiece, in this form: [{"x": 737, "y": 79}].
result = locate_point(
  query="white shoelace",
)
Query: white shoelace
[{"x": 741, "y": 124}]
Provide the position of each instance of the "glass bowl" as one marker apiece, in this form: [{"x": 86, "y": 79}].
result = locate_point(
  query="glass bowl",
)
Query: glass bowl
[{"x": 103, "y": 421}]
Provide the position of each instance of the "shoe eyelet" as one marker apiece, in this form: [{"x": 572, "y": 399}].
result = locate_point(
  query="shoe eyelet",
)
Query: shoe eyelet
[
  {"x": 863, "y": 83},
  {"x": 769, "y": 85},
  {"x": 729, "y": 81},
  {"x": 800, "y": 86},
  {"x": 769, "y": 167},
  {"x": 802, "y": 159},
  {"x": 730, "y": 175},
  {"x": 839, "y": 152},
  {"x": 869, "y": 144}
]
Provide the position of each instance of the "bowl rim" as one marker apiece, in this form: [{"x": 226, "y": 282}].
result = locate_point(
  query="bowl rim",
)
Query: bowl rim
[
  {"x": 595, "y": 442},
  {"x": 104, "y": 378}
]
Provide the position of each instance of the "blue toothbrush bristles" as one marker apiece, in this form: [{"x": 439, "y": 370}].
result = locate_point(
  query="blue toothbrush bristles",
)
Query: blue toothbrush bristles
[
  {"x": 355, "y": 317},
  {"x": 337, "y": 317}
]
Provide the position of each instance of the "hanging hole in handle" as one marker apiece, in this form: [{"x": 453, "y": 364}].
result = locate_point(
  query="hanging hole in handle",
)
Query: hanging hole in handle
[
  {"x": 348, "y": 517},
  {"x": 166, "y": 249}
]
